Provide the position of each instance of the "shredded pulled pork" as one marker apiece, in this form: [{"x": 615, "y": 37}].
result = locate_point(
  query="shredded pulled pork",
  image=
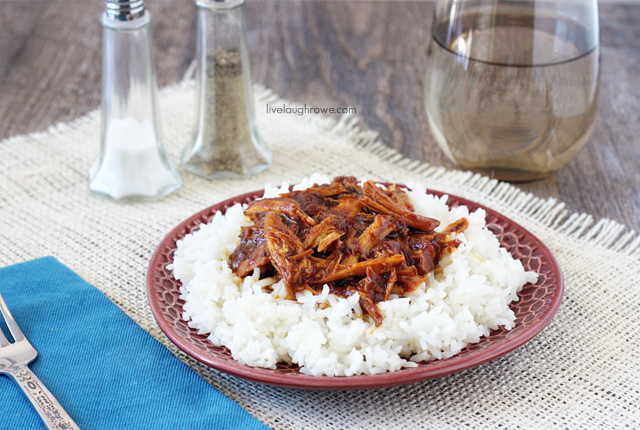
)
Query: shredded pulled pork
[{"x": 356, "y": 239}]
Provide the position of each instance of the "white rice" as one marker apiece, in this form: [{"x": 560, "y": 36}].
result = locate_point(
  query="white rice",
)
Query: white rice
[{"x": 325, "y": 334}]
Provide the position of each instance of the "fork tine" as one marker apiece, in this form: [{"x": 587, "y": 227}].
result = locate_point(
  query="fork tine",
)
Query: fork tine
[
  {"x": 11, "y": 323},
  {"x": 3, "y": 340}
]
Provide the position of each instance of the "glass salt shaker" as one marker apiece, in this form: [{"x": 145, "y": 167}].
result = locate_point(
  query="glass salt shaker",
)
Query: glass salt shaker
[
  {"x": 132, "y": 165},
  {"x": 226, "y": 142}
]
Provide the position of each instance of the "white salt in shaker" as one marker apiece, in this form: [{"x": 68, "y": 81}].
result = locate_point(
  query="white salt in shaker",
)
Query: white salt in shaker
[{"x": 132, "y": 165}]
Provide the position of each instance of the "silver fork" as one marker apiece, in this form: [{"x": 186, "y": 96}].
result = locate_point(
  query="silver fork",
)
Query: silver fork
[{"x": 14, "y": 360}]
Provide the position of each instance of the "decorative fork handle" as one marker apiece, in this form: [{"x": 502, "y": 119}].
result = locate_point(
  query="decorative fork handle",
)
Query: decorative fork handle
[{"x": 47, "y": 406}]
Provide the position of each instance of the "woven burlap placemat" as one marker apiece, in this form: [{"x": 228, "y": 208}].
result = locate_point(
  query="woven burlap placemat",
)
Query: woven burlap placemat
[{"x": 582, "y": 371}]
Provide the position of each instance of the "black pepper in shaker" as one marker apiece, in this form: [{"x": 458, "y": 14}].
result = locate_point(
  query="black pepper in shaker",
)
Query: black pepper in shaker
[{"x": 226, "y": 142}]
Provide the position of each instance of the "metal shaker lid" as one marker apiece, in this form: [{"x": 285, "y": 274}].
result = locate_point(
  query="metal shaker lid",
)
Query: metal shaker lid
[{"x": 124, "y": 10}]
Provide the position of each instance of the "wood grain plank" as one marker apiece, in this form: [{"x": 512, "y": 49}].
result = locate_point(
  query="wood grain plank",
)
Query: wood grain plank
[{"x": 367, "y": 54}]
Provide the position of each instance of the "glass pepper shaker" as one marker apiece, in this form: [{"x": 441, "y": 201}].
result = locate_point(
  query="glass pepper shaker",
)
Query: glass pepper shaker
[
  {"x": 132, "y": 165},
  {"x": 226, "y": 142}
]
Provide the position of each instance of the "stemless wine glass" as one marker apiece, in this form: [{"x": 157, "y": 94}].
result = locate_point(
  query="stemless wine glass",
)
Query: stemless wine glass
[{"x": 512, "y": 86}]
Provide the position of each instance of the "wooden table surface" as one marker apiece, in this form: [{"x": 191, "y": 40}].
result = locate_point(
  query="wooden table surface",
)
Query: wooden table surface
[{"x": 369, "y": 55}]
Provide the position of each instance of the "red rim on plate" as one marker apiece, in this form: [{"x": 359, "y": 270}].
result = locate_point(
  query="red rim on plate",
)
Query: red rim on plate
[{"x": 536, "y": 307}]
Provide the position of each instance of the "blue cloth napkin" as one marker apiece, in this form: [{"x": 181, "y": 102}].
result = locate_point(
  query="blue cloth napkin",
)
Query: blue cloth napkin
[{"x": 105, "y": 371}]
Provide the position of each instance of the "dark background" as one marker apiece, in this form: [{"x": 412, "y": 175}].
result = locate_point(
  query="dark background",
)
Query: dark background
[{"x": 369, "y": 55}]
